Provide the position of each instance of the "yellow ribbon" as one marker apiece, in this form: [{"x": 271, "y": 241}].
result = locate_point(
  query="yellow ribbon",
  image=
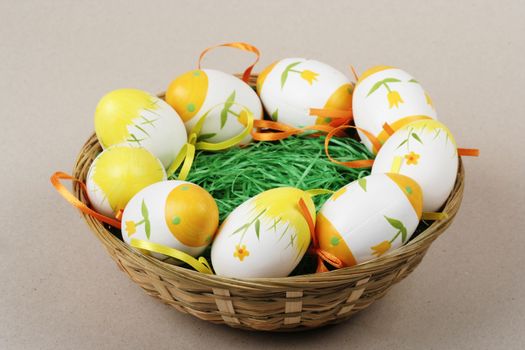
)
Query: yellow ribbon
[
  {"x": 396, "y": 165},
  {"x": 187, "y": 153},
  {"x": 200, "y": 264}
]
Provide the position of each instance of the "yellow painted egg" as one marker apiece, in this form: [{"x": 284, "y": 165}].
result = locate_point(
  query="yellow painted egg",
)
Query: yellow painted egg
[
  {"x": 266, "y": 236},
  {"x": 118, "y": 173},
  {"x": 225, "y": 98},
  {"x": 426, "y": 151},
  {"x": 140, "y": 119},
  {"x": 388, "y": 95},
  {"x": 369, "y": 217},
  {"x": 290, "y": 87},
  {"x": 176, "y": 214}
]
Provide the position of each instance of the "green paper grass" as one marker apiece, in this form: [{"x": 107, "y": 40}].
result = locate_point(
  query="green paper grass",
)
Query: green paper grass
[{"x": 239, "y": 173}]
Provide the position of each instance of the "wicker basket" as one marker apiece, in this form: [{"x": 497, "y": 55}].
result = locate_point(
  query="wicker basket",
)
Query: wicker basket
[{"x": 267, "y": 304}]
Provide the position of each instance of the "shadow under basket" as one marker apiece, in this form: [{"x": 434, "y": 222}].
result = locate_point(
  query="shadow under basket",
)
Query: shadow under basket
[{"x": 267, "y": 304}]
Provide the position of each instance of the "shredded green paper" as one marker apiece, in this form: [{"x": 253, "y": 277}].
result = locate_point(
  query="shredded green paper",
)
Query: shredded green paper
[{"x": 239, "y": 173}]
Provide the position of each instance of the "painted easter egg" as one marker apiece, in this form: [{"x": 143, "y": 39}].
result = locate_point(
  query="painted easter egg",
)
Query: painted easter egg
[
  {"x": 266, "y": 236},
  {"x": 176, "y": 214},
  {"x": 388, "y": 95},
  {"x": 290, "y": 87},
  {"x": 369, "y": 217},
  {"x": 118, "y": 173},
  {"x": 140, "y": 119},
  {"x": 426, "y": 151},
  {"x": 225, "y": 99}
]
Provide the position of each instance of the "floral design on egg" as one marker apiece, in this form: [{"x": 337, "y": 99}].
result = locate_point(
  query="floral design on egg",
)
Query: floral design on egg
[
  {"x": 241, "y": 252},
  {"x": 412, "y": 158},
  {"x": 384, "y": 246},
  {"x": 307, "y": 75},
  {"x": 393, "y": 96},
  {"x": 131, "y": 226},
  {"x": 242, "y": 116}
]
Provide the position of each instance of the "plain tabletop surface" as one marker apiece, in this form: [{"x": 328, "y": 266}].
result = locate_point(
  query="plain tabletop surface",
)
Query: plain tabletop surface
[{"x": 60, "y": 290}]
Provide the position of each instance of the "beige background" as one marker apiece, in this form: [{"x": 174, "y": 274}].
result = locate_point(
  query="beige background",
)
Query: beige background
[{"x": 59, "y": 289}]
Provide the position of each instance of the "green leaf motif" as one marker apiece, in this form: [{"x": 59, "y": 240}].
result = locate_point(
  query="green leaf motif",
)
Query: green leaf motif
[
  {"x": 402, "y": 143},
  {"x": 362, "y": 183},
  {"x": 275, "y": 115},
  {"x": 413, "y": 81},
  {"x": 375, "y": 87},
  {"x": 147, "y": 228},
  {"x": 203, "y": 137},
  {"x": 284, "y": 75},
  {"x": 414, "y": 135},
  {"x": 144, "y": 209},
  {"x": 227, "y": 105},
  {"x": 391, "y": 80},
  {"x": 399, "y": 226},
  {"x": 257, "y": 227}
]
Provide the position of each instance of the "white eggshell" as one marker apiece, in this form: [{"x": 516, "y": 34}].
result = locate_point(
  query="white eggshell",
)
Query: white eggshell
[
  {"x": 118, "y": 173},
  {"x": 219, "y": 88},
  {"x": 374, "y": 102},
  {"x": 154, "y": 125},
  {"x": 288, "y": 96},
  {"x": 428, "y": 153},
  {"x": 154, "y": 201},
  {"x": 362, "y": 215},
  {"x": 263, "y": 237}
]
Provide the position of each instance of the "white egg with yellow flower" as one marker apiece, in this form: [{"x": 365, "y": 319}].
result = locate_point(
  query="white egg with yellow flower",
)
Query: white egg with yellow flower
[
  {"x": 369, "y": 217},
  {"x": 224, "y": 99},
  {"x": 266, "y": 236},
  {"x": 388, "y": 95},
  {"x": 426, "y": 151},
  {"x": 138, "y": 118},
  {"x": 175, "y": 214},
  {"x": 118, "y": 173},
  {"x": 289, "y": 88}
]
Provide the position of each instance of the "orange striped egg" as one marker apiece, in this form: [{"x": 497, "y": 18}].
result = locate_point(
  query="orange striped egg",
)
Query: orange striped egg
[
  {"x": 225, "y": 99},
  {"x": 369, "y": 217},
  {"x": 177, "y": 214},
  {"x": 388, "y": 95},
  {"x": 290, "y": 87}
]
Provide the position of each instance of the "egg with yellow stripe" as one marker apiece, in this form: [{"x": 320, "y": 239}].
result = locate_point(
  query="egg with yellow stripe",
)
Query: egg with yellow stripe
[
  {"x": 266, "y": 236},
  {"x": 426, "y": 151},
  {"x": 225, "y": 100},
  {"x": 289, "y": 88},
  {"x": 176, "y": 214},
  {"x": 369, "y": 217},
  {"x": 137, "y": 118},
  {"x": 390, "y": 95},
  {"x": 118, "y": 173}
]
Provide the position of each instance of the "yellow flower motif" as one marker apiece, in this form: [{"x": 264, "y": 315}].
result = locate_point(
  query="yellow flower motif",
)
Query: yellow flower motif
[
  {"x": 429, "y": 100},
  {"x": 131, "y": 228},
  {"x": 394, "y": 99},
  {"x": 381, "y": 248},
  {"x": 309, "y": 76},
  {"x": 243, "y": 117},
  {"x": 241, "y": 252},
  {"x": 412, "y": 158}
]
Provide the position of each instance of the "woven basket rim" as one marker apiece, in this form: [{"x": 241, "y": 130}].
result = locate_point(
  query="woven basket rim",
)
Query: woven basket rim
[{"x": 339, "y": 275}]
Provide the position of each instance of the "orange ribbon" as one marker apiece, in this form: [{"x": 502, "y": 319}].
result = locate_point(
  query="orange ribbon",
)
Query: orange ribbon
[
  {"x": 468, "y": 152},
  {"x": 241, "y": 46},
  {"x": 322, "y": 255},
  {"x": 68, "y": 196},
  {"x": 339, "y": 116},
  {"x": 282, "y": 131},
  {"x": 354, "y": 163},
  {"x": 388, "y": 129}
]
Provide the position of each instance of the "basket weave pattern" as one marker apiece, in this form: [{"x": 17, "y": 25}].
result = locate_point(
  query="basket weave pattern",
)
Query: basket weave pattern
[{"x": 269, "y": 304}]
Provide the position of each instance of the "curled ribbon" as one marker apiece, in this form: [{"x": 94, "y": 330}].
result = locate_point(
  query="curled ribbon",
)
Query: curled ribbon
[
  {"x": 64, "y": 192},
  {"x": 241, "y": 46},
  {"x": 322, "y": 255},
  {"x": 354, "y": 163},
  {"x": 339, "y": 116},
  {"x": 200, "y": 264},
  {"x": 282, "y": 131},
  {"x": 187, "y": 153}
]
